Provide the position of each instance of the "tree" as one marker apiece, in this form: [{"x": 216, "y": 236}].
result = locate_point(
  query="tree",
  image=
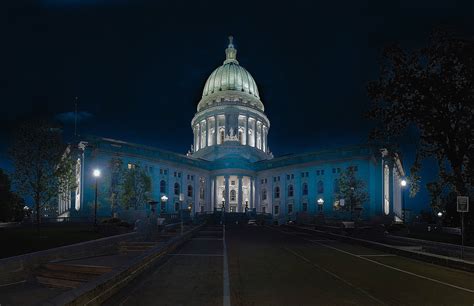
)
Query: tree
[
  {"x": 136, "y": 188},
  {"x": 11, "y": 205},
  {"x": 43, "y": 168},
  {"x": 352, "y": 190},
  {"x": 431, "y": 90},
  {"x": 116, "y": 182}
]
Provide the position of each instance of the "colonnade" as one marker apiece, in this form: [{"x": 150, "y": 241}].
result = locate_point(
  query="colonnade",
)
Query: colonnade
[
  {"x": 236, "y": 193},
  {"x": 217, "y": 129}
]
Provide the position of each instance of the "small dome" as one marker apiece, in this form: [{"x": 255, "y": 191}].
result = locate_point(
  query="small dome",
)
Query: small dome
[{"x": 230, "y": 76}]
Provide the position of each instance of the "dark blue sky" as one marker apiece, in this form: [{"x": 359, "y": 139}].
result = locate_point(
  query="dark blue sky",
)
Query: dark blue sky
[{"x": 139, "y": 67}]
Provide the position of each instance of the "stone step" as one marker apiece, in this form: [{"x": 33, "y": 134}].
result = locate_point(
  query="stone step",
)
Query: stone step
[
  {"x": 135, "y": 247},
  {"x": 91, "y": 269},
  {"x": 67, "y": 275},
  {"x": 58, "y": 282},
  {"x": 138, "y": 243}
]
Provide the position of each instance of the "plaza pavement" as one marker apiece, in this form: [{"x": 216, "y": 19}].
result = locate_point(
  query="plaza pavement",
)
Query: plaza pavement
[{"x": 278, "y": 266}]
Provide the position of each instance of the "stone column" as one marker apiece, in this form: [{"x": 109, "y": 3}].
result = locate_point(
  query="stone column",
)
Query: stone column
[
  {"x": 227, "y": 199},
  {"x": 208, "y": 135},
  {"x": 255, "y": 133},
  {"x": 213, "y": 193},
  {"x": 251, "y": 199},
  {"x": 198, "y": 145},
  {"x": 215, "y": 130},
  {"x": 246, "y": 130},
  {"x": 240, "y": 195}
]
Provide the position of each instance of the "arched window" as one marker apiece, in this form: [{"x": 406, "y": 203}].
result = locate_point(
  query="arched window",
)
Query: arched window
[
  {"x": 176, "y": 188},
  {"x": 232, "y": 195},
  {"x": 320, "y": 187},
  {"x": 190, "y": 191},
  {"x": 201, "y": 193},
  {"x": 305, "y": 189},
  {"x": 264, "y": 194},
  {"x": 336, "y": 186},
  {"x": 291, "y": 190},
  {"x": 163, "y": 186},
  {"x": 277, "y": 192}
]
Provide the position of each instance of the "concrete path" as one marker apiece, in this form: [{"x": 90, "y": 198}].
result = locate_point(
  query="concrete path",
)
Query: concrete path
[{"x": 276, "y": 266}]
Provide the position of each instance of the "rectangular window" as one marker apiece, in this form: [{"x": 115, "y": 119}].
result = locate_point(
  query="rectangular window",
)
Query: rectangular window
[
  {"x": 166, "y": 171},
  {"x": 179, "y": 174},
  {"x": 277, "y": 209},
  {"x": 290, "y": 208},
  {"x": 292, "y": 176},
  {"x": 232, "y": 183},
  {"x": 317, "y": 172},
  {"x": 161, "y": 171},
  {"x": 131, "y": 166},
  {"x": 302, "y": 174},
  {"x": 287, "y": 176},
  {"x": 322, "y": 172},
  {"x": 333, "y": 170},
  {"x": 274, "y": 179},
  {"x": 338, "y": 170}
]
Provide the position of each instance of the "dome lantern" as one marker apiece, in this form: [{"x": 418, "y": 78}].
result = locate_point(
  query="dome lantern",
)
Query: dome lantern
[{"x": 231, "y": 52}]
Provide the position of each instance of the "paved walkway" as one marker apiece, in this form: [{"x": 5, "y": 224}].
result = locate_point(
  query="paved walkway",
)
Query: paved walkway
[{"x": 275, "y": 266}]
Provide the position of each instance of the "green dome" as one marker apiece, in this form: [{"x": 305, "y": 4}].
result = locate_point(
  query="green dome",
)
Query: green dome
[{"x": 230, "y": 76}]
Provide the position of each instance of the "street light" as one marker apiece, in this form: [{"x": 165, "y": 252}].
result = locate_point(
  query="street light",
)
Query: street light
[
  {"x": 320, "y": 201},
  {"x": 96, "y": 174},
  {"x": 403, "y": 183},
  {"x": 164, "y": 199},
  {"x": 440, "y": 214}
]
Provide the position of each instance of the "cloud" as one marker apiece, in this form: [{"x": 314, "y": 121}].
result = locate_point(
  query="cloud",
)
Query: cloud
[{"x": 68, "y": 117}]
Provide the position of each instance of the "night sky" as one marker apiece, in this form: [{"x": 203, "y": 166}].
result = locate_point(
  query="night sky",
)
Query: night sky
[{"x": 138, "y": 68}]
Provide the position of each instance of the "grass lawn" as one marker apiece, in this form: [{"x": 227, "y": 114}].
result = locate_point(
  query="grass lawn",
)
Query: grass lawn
[{"x": 16, "y": 241}]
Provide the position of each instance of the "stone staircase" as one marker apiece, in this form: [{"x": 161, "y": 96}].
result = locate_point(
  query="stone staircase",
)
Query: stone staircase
[
  {"x": 60, "y": 275},
  {"x": 135, "y": 246}
]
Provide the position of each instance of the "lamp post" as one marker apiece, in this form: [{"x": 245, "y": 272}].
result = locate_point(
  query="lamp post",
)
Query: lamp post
[
  {"x": 96, "y": 174},
  {"x": 403, "y": 183},
  {"x": 164, "y": 199},
  {"x": 320, "y": 204}
]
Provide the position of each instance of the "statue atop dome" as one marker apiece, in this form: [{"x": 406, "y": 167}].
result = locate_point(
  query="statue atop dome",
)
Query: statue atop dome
[{"x": 231, "y": 52}]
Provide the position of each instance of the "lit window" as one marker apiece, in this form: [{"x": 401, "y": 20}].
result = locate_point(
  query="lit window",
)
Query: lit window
[{"x": 131, "y": 166}]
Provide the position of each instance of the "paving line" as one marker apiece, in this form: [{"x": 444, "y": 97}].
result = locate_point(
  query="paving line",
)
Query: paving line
[
  {"x": 225, "y": 279},
  {"x": 384, "y": 265},
  {"x": 335, "y": 276}
]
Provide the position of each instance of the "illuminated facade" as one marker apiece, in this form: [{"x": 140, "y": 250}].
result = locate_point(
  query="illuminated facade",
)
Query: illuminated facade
[{"x": 230, "y": 165}]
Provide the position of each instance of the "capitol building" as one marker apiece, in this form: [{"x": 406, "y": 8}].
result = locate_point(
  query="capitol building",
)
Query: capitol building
[{"x": 230, "y": 166}]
